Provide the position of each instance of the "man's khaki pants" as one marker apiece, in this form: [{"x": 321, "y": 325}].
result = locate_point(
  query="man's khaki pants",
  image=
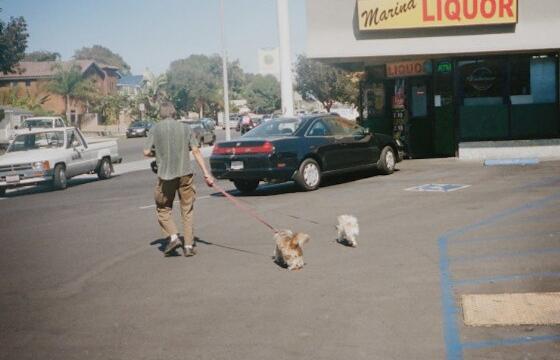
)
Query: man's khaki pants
[{"x": 165, "y": 195}]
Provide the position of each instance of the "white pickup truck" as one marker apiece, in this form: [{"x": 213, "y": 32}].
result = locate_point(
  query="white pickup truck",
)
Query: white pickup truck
[{"x": 54, "y": 156}]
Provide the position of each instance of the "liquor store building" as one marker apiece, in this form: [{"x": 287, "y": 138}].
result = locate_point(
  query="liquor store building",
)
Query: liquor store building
[{"x": 448, "y": 75}]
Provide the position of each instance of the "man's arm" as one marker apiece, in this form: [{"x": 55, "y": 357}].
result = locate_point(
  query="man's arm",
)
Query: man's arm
[
  {"x": 202, "y": 165},
  {"x": 148, "y": 153},
  {"x": 149, "y": 145}
]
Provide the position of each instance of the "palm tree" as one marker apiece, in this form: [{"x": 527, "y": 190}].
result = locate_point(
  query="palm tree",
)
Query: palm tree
[
  {"x": 154, "y": 93},
  {"x": 69, "y": 83}
]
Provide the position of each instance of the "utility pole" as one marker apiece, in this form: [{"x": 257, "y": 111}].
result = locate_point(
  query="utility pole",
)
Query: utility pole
[
  {"x": 285, "y": 58},
  {"x": 224, "y": 65}
]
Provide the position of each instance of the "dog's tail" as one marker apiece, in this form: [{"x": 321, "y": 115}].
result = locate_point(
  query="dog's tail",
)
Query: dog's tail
[{"x": 302, "y": 238}]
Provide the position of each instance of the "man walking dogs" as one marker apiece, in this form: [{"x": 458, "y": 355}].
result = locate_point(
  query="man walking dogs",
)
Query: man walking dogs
[{"x": 171, "y": 142}]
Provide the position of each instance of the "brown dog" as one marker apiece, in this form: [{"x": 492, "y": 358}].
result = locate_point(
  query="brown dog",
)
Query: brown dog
[{"x": 288, "y": 251}]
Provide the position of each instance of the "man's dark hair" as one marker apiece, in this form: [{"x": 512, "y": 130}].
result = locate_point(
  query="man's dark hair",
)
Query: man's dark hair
[{"x": 167, "y": 110}]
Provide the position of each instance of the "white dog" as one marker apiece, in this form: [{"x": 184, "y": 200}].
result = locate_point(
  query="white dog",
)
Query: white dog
[
  {"x": 348, "y": 230},
  {"x": 288, "y": 251}
]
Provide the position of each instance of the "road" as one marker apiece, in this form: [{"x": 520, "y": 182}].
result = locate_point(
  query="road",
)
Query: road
[
  {"x": 131, "y": 149},
  {"x": 84, "y": 276}
]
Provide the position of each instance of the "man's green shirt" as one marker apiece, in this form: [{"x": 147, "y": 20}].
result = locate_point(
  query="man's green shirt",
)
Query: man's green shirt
[{"x": 172, "y": 142}]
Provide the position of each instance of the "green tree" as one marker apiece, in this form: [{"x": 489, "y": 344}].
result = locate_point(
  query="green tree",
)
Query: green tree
[
  {"x": 42, "y": 55},
  {"x": 110, "y": 107},
  {"x": 151, "y": 97},
  {"x": 325, "y": 83},
  {"x": 195, "y": 83},
  {"x": 69, "y": 83},
  {"x": 103, "y": 55},
  {"x": 17, "y": 97},
  {"x": 13, "y": 42},
  {"x": 262, "y": 93}
]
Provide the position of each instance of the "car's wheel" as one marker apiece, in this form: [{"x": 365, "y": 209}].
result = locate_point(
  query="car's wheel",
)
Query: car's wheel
[
  {"x": 104, "y": 172},
  {"x": 309, "y": 175},
  {"x": 246, "y": 186},
  {"x": 59, "y": 179},
  {"x": 2, "y": 191},
  {"x": 387, "y": 161}
]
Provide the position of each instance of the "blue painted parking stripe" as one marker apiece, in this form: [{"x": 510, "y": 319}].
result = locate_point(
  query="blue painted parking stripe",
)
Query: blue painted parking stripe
[
  {"x": 501, "y": 237},
  {"x": 450, "y": 328},
  {"x": 505, "y": 278},
  {"x": 500, "y": 216},
  {"x": 502, "y": 162},
  {"x": 453, "y": 344},
  {"x": 510, "y": 254},
  {"x": 510, "y": 342},
  {"x": 541, "y": 183}
]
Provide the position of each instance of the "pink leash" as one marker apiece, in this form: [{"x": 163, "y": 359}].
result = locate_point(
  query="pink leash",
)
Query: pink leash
[{"x": 245, "y": 208}]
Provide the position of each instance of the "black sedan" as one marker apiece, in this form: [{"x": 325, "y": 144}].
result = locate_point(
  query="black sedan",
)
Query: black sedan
[
  {"x": 203, "y": 130},
  {"x": 138, "y": 129},
  {"x": 303, "y": 150}
]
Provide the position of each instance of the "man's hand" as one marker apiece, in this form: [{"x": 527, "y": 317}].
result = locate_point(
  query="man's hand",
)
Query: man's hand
[
  {"x": 209, "y": 180},
  {"x": 200, "y": 161}
]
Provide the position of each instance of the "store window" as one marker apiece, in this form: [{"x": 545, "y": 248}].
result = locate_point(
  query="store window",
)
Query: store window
[
  {"x": 375, "y": 100},
  {"x": 419, "y": 101},
  {"x": 533, "y": 80},
  {"x": 483, "y": 81}
]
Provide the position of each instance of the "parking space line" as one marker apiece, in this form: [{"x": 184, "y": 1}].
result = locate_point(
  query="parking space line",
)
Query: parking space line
[
  {"x": 453, "y": 344},
  {"x": 500, "y": 238},
  {"x": 175, "y": 202},
  {"x": 505, "y": 278},
  {"x": 505, "y": 255},
  {"x": 509, "y": 342}
]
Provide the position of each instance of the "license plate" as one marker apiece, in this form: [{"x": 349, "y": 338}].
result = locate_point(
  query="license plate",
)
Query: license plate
[
  {"x": 12, "y": 178},
  {"x": 236, "y": 165}
]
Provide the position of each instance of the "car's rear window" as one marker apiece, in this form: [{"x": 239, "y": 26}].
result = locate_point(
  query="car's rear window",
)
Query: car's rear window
[
  {"x": 38, "y": 123},
  {"x": 279, "y": 127}
]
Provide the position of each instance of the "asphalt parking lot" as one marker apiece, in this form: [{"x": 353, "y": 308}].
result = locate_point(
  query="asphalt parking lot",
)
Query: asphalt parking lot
[{"x": 84, "y": 276}]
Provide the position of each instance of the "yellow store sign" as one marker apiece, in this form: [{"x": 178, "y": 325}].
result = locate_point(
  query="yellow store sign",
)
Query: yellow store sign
[{"x": 411, "y": 14}]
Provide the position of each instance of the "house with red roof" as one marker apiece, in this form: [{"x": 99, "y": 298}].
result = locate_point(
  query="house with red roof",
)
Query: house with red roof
[{"x": 31, "y": 78}]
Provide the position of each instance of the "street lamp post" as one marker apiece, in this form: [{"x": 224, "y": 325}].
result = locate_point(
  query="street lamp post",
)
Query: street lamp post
[
  {"x": 224, "y": 65},
  {"x": 285, "y": 58}
]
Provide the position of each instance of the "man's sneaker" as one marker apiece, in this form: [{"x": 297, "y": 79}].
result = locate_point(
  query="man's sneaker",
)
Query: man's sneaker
[
  {"x": 171, "y": 246},
  {"x": 189, "y": 251}
]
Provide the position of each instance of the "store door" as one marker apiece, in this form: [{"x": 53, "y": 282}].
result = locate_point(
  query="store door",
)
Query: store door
[{"x": 420, "y": 120}]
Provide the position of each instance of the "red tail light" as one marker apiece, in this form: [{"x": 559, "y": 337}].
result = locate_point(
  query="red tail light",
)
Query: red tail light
[{"x": 265, "y": 148}]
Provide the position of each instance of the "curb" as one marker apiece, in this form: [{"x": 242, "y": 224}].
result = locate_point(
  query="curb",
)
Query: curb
[{"x": 511, "y": 162}]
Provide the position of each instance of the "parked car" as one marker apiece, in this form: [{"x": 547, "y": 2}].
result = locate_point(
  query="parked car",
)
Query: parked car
[
  {"x": 233, "y": 122},
  {"x": 54, "y": 156},
  {"x": 203, "y": 130},
  {"x": 304, "y": 150},
  {"x": 37, "y": 123},
  {"x": 209, "y": 123},
  {"x": 138, "y": 129},
  {"x": 246, "y": 124}
]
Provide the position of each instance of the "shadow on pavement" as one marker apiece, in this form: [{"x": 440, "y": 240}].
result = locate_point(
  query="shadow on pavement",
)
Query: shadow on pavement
[
  {"x": 204, "y": 242},
  {"x": 161, "y": 244},
  {"x": 291, "y": 187},
  {"x": 43, "y": 188}
]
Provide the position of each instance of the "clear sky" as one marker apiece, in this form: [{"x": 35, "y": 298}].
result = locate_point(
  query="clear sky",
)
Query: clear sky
[{"x": 152, "y": 33}]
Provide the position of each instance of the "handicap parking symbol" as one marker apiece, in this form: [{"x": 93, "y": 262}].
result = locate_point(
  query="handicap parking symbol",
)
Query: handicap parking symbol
[{"x": 438, "y": 187}]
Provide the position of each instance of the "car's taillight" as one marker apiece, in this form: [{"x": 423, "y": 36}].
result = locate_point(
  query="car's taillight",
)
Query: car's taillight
[
  {"x": 219, "y": 150},
  {"x": 265, "y": 148}
]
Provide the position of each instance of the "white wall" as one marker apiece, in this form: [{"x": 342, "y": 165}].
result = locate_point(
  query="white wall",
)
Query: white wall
[{"x": 332, "y": 34}]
